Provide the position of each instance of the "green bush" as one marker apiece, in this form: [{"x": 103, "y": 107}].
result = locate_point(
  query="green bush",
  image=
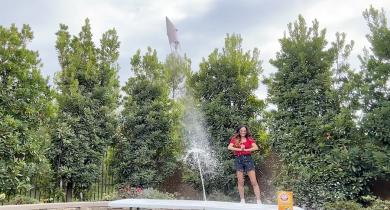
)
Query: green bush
[
  {"x": 372, "y": 203},
  {"x": 127, "y": 191},
  {"x": 151, "y": 193},
  {"x": 376, "y": 204},
  {"x": 380, "y": 205},
  {"x": 110, "y": 196},
  {"x": 343, "y": 205},
  {"x": 21, "y": 199},
  {"x": 2, "y": 197},
  {"x": 48, "y": 200}
]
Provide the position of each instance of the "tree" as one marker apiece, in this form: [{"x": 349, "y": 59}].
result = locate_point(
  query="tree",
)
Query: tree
[
  {"x": 313, "y": 127},
  {"x": 88, "y": 97},
  {"x": 145, "y": 153},
  {"x": 375, "y": 94},
  {"x": 225, "y": 86},
  {"x": 26, "y": 108},
  {"x": 176, "y": 69}
]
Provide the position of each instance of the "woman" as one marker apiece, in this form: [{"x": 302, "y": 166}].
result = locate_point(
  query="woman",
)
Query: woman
[{"x": 243, "y": 144}]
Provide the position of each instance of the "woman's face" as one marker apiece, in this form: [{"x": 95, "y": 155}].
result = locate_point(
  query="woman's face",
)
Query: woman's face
[{"x": 243, "y": 132}]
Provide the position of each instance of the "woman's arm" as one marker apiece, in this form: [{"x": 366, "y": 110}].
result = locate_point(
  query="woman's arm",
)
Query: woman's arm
[
  {"x": 232, "y": 148},
  {"x": 253, "y": 148}
]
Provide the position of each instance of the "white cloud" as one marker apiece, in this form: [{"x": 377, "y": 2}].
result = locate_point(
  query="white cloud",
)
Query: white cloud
[
  {"x": 136, "y": 16},
  {"x": 139, "y": 23},
  {"x": 344, "y": 16},
  {"x": 334, "y": 15},
  {"x": 202, "y": 24}
]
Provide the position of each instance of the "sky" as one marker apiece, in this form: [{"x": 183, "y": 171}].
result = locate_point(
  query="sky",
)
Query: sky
[{"x": 202, "y": 25}]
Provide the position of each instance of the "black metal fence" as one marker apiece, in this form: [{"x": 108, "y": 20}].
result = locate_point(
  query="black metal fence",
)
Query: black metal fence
[{"x": 104, "y": 185}]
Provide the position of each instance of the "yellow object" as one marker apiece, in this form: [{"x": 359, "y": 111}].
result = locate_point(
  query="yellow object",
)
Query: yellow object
[{"x": 285, "y": 200}]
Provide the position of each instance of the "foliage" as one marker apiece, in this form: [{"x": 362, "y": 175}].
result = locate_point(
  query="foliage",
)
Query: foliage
[
  {"x": 145, "y": 152},
  {"x": 2, "y": 197},
  {"x": 343, "y": 205},
  {"x": 371, "y": 202},
  {"x": 224, "y": 87},
  {"x": 151, "y": 193},
  {"x": 20, "y": 199},
  {"x": 25, "y": 112},
  {"x": 176, "y": 69},
  {"x": 88, "y": 97},
  {"x": 110, "y": 196},
  {"x": 313, "y": 128},
  {"x": 375, "y": 203},
  {"x": 375, "y": 93},
  {"x": 127, "y": 191}
]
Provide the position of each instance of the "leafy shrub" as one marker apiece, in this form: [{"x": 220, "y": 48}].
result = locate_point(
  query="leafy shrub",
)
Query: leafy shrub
[
  {"x": 110, "y": 196},
  {"x": 48, "y": 200},
  {"x": 20, "y": 199},
  {"x": 375, "y": 203},
  {"x": 372, "y": 202},
  {"x": 343, "y": 205},
  {"x": 380, "y": 205},
  {"x": 151, "y": 193},
  {"x": 127, "y": 191}
]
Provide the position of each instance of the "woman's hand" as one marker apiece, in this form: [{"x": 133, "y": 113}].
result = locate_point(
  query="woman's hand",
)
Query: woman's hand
[
  {"x": 253, "y": 148},
  {"x": 233, "y": 148}
]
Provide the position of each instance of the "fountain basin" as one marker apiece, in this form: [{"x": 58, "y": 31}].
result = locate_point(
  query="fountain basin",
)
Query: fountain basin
[{"x": 189, "y": 204}]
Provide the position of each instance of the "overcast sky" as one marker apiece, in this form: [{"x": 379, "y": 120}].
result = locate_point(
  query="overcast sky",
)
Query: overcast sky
[{"x": 202, "y": 24}]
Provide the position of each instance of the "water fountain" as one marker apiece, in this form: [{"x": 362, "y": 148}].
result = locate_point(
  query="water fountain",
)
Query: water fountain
[{"x": 198, "y": 154}]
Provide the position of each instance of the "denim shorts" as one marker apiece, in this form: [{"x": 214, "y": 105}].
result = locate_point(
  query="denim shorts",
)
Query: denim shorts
[{"x": 244, "y": 163}]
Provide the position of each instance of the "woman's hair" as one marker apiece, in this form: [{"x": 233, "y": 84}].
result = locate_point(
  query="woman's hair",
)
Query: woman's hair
[{"x": 237, "y": 136}]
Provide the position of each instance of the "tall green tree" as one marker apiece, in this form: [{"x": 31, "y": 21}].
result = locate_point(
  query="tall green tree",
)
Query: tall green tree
[
  {"x": 88, "y": 97},
  {"x": 176, "y": 70},
  {"x": 25, "y": 111},
  {"x": 313, "y": 128},
  {"x": 375, "y": 93},
  {"x": 225, "y": 86},
  {"x": 145, "y": 153}
]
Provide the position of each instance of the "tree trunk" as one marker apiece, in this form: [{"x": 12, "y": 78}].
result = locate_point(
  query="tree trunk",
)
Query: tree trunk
[{"x": 69, "y": 192}]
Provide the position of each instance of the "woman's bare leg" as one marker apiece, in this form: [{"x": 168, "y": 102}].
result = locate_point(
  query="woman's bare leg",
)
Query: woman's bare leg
[
  {"x": 255, "y": 185},
  {"x": 240, "y": 184}
]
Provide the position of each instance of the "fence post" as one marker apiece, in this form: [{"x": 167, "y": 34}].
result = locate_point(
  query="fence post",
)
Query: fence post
[{"x": 102, "y": 177}]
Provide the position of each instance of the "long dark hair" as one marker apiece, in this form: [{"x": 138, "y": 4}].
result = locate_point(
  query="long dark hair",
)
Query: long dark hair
[{"x": 237, "y": 136}]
